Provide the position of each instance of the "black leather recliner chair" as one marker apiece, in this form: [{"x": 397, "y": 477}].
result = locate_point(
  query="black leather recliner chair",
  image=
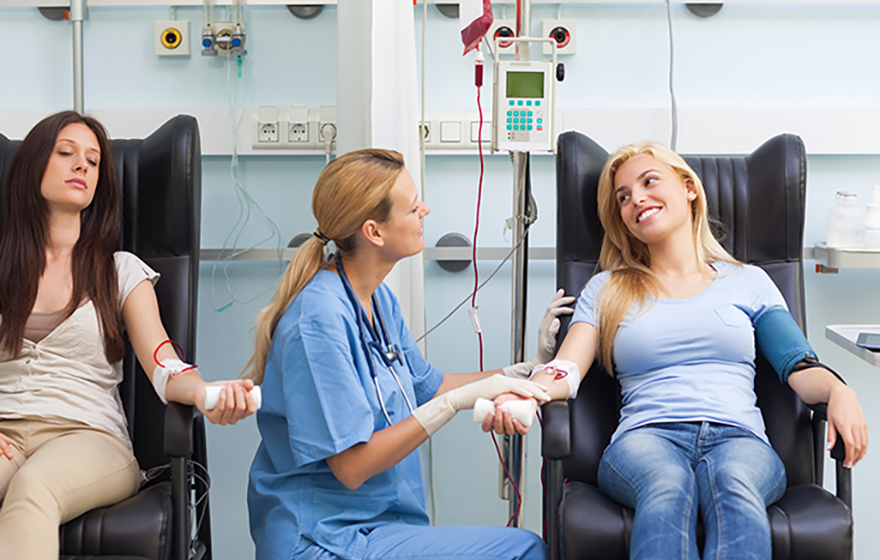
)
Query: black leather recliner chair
[
  {"x": 160, "y": 178},
  {"x": 759, "y": 200}
]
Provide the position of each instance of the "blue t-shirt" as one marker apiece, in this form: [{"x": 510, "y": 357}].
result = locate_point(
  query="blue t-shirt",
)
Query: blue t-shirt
[
  {"x": 319, "y": 400},
  {"x": 693, "y": 359}
]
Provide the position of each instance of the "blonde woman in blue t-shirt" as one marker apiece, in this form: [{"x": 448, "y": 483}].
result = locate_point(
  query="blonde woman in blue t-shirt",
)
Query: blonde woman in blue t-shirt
[{"x": 689, "y": 430}]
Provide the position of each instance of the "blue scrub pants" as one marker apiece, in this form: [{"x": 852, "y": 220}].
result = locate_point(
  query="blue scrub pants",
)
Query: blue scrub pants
[
  {"x": 667, "y": 472},
  {"x": 397, "y": 541}
]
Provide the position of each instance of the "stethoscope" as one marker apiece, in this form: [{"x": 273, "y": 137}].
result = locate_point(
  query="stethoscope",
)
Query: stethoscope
[{"x": 388, "y": 351}]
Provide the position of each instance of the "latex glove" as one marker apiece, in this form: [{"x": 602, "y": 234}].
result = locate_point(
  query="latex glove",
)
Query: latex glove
[
  {"x": 438, "y": 411},
  {"x": 549, "y": 327},
  {"x": 547, "y": 331}
]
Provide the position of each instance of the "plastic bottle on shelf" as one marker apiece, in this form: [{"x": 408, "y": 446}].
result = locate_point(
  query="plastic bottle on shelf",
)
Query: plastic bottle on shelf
[
  {"x": 872, "y": 220},
  {"x": 846, "y": 223}
]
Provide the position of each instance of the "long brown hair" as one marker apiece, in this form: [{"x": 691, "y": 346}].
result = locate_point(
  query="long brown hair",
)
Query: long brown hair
[
  {"x": 631, "y": 281},
  {"x": 24, "y": 235},
  {"x": 352, "y": 189}
]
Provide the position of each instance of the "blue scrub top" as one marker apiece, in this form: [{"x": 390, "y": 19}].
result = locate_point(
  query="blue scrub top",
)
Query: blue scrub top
[{"x": 319, "y": 400}]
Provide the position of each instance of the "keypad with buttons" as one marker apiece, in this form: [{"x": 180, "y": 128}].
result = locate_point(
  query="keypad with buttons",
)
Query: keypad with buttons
[{"x": 524, "y": 115}]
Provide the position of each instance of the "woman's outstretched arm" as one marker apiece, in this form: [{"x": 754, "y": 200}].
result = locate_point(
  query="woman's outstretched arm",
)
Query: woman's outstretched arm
[{"x": 140, "y": 313}]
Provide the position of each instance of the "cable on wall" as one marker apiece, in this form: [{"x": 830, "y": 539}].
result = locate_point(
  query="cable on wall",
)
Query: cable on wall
[
  {"x": 674, "y": 139},
  {"x": 246, "y": 204}
]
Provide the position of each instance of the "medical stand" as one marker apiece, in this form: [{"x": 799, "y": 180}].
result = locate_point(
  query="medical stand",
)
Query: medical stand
[
  {"x": 78, "y": 14},
  {"x": 513, "y": 445}
]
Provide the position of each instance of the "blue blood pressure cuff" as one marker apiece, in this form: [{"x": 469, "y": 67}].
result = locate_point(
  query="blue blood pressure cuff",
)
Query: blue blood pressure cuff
[{"x": 782, "y": 342}]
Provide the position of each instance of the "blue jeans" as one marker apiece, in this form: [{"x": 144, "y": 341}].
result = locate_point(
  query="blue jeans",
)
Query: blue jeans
[
  {"x": 668, "y": 472},
  {"x": 399, "y": 541}
]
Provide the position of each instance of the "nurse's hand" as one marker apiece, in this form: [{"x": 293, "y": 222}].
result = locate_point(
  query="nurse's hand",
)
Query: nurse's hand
[
  {"x": 235, "y": 401},
  {"x": 501, "y": 420}
]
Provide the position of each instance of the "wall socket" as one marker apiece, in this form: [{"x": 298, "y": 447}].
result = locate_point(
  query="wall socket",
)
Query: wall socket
[
  {"x": 299, "y": 128},
  {"x": 327, "y": 125},
  {"x": 293, "y": 128},
  {"x": 267, "y": 128},
  {"x": 171, "y": 38}
]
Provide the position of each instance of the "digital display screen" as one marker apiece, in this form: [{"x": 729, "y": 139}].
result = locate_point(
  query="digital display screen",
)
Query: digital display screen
[{"x": 525, "y": 84}]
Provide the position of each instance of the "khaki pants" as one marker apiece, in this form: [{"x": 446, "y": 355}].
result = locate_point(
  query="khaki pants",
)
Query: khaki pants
[{"x": 58, "y": 472}]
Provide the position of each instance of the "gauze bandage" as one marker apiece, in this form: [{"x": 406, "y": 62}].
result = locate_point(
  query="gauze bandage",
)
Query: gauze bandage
[
  {"x": 519, "y": 410},
  {"x": 562, "y": 369},
  {"x": 212, "y": 396},
  {"x": 166, "y": 369}
]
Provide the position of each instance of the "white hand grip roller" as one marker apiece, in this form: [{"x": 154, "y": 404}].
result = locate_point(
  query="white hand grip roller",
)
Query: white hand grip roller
[
  {"x": 520, "y": 410},
  {"x": 212, "y": 395}
]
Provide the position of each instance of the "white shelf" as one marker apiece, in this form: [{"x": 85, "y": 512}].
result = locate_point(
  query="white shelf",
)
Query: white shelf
[
  {"x": 845, "y": 336},
  {"x": 832, "y": 260}
]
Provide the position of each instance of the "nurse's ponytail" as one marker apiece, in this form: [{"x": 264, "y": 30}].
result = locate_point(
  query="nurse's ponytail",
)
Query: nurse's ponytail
[{"x": 352, "y": 189}]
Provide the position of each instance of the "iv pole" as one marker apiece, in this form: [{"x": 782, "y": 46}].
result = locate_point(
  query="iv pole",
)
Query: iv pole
[
  {"x": 515, "y": 449},
  {"x": 78, "y": 13}
]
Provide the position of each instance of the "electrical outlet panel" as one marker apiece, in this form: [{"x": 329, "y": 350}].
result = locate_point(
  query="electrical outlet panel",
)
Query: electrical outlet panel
[
  {"x": 455, "y": 129},
  {"x": 327, "y": 126},
  {"x": 502, "y": 28},
  {"x": 426, "y": 128},
  {"x": 476, "y": 132},
  {"x": 296, "y": 127},
  {"x": 563, "y": 31},
  {"x": 171, "y": 38},
  {"x": 267, "y": 128},
  {"x": 300, "y": 133}
]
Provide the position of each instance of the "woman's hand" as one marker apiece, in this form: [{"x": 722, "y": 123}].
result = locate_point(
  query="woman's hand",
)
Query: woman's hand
[
  {"x": 502, "y": 422},
  {"x": 234, "y": 404},
  {"x": 6, "y": 447},
  {"x": 845, "y": 416}
]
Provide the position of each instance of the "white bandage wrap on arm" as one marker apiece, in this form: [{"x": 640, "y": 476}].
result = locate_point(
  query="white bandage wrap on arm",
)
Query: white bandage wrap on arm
[
  {"x": 562, "y": 369},
  {"x": 167, "y": 368}
]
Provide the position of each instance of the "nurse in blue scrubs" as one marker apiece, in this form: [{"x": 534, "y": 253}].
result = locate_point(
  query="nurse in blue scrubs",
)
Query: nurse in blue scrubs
[{"x": 347, "y": 396}]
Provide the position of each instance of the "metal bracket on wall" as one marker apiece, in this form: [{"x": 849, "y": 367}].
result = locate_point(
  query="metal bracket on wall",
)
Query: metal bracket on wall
[
  {"x": 54, "y": 14},
  {"x": 704, "y": 9},
  {"x": 305, "y": 12},
  {"x": 448, "y": 10}
]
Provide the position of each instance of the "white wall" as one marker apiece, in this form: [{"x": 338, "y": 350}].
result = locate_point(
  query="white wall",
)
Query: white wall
[{"x": 748, "y": 56}]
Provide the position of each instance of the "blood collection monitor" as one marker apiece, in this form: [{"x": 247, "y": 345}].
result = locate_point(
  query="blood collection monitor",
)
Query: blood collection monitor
[{"x": 523, "y": 115}]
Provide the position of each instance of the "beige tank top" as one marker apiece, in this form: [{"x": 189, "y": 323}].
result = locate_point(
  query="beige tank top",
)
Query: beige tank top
[{"x": 41, "y": 323}]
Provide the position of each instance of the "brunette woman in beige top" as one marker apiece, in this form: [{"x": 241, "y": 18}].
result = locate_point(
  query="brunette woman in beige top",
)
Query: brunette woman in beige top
[{"x": 66, "y": 295}]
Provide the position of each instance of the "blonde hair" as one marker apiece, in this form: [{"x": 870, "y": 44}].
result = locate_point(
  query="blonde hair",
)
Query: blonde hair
[
  {"x": 631, "y": 281},
  {"x": 352, "y": 189}
]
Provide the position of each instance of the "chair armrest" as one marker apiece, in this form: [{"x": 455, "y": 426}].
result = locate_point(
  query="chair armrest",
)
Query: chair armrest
[
  {"x": 843, "y": 475},
  {"x": 838, "y": 453},
  {"x": 555, "y": 432},
  {"x": 178, "y": 430}
]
